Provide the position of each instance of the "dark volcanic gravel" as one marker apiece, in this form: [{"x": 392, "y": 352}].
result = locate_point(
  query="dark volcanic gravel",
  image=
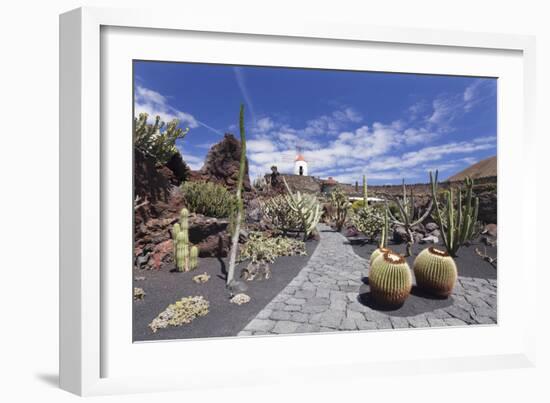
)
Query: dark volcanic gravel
[{"x": 164, "y": 287}]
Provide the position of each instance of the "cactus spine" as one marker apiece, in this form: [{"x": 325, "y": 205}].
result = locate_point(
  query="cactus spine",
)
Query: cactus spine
[
  {"x": 435, "y": 272},
  {"x": 407, "y": 215},
  {"x": 239, "y": 213},
  {"x": 307, "y": 207},
  {"x": 180, "y": 233},
  {"x": 390, "y": 279},
  {"x": 458, "y": 226}
]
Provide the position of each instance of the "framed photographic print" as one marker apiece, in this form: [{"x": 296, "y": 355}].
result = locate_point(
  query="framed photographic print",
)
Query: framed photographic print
[{"x": 291, "y": 196}]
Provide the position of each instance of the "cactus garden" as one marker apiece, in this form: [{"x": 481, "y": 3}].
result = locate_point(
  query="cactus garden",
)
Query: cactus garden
[{"x": 248, "y": 226}]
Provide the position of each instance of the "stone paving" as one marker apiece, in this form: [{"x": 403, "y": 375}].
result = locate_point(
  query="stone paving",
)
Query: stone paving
[{"x": 324, "y": 297}]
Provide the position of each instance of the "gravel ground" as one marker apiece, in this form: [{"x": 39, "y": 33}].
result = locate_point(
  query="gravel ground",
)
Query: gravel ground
[{"x": 165, "y": 286}]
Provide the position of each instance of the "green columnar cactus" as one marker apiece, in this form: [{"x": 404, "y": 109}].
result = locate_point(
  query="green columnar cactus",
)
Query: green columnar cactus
[
  {"x": 308, "y": 208},
  {"x": 390, "y": 279},
  {"x": 193, "y": 258},
  {"x": 385, "y": 230},
  {"x": 341, "y": 204},
  {"x": 377, "y": 252},
  {"x": 435, "y": 272},
  {"x": 238, "y": 215},
  {"x": 408, "y": 216},
  {"x": 365, "y": 195},
  {"x": 458, "y": 226},
  {"x": 183, "y": 251}
]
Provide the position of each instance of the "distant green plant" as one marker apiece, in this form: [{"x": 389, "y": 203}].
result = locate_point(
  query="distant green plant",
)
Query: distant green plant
[
  {"x": 340, "y": 201},
  {"x": 208, "y": 198},
  {"x": 261, "y": 248},
  {"x": 369, "y": 221},
  {"x": 357, "y": 205},
  {"x": 157, "y": 139},
  {"x": 280, "y": 215},
  {"x": 308, "y": 208}
]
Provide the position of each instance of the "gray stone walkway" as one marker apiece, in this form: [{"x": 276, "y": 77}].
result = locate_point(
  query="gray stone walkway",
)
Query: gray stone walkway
[{"x": 323, "y": 297}]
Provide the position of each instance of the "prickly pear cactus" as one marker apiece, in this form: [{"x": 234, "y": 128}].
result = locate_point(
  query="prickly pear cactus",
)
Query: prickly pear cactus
[
  {"x": 390, "y": 279},
  {"x": 435, "y": 272},
  {"x": 377, "y": 252}
]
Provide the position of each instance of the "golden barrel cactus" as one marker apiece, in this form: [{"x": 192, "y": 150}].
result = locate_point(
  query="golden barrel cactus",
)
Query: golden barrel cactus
[
  {"x": 390, "y": 279},
  {"x": 377, "y": 252},
  {"x": 435, "y": 272}
]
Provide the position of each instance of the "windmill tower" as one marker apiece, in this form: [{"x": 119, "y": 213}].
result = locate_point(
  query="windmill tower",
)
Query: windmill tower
[{"x": 300, "y": 165}]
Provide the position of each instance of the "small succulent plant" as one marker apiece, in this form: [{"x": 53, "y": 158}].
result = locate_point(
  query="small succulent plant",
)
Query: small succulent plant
[{"x": 435, "y": 272}]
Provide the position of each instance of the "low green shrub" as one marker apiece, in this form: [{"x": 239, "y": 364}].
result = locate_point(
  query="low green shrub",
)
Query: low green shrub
[
  {"x": 278, "y": 212},
  {"x": 261, "y": 248},
  {"x": 357, "y": 205},
  {"x": 369, "y": 221},
  {"x": 208, "y": 198}
]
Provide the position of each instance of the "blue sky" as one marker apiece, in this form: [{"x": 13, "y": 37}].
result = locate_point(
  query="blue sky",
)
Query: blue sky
[{"x": 388, "y": 126}]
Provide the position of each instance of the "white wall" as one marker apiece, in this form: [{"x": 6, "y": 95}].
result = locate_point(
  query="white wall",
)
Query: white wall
[{"x": 29, "y": 186}]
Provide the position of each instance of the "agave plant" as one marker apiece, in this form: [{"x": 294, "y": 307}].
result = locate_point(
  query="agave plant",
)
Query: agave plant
[{"x": 307, "y": 207}]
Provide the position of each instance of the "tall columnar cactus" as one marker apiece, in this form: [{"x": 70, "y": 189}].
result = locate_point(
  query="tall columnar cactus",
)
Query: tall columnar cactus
[
  {"x": 385, "y": 230},
  {"x": 457, "y": 226},
  {"x": 408, "y": 215},
  {"x": 308, "y": 208},
  {"x": 182, "y": 252},
  {"x": 193, "y": 258},
  {"x": 435, "y": 272},
  {"x": 390, "y": 279},
  {"x": 341, "y": 204},
  {"x": 239, "y": 210},
  {"x": 365, "y": 195}
]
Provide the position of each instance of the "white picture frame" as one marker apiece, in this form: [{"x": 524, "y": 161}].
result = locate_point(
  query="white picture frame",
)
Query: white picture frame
[{"x": 89, "y": 304}]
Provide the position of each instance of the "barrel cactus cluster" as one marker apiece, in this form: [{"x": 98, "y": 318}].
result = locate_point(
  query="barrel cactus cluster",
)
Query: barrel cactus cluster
[
  {"x": 390, "y": 276},
  {"x": 435, "y": 272},
  {"x": 186, "y": 256}
]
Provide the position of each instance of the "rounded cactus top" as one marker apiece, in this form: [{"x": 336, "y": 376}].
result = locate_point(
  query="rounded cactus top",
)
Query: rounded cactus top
[
  {"x": 393, "y": 258},
  {"x": 184, "y": 212},
  {"x": 438, "y": 252}
]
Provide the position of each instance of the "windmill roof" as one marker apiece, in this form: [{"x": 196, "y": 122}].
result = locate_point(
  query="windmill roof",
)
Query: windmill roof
[{"x": 300, "y": 157}]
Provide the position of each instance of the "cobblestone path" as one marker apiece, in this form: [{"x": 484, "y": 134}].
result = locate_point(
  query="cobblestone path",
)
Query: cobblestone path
[{"x": 324, "y": 297}]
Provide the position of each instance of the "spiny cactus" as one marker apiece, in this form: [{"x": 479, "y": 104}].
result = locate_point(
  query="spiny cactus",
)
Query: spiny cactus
[
  {"x": 238, "y": 214},
  {"x": 340, "y": 201},
  {"x": 435, "y": 272},
  {"x": 458, "y": 226},
  {"x": 157, "y": 139},
  {"x": 308, "y": 208},
  {"x": 390, "y": 279},
  {"x": 193, "y": 258},
  {"x": 408, "y": 215},
  {"x": 279, "y": 213},
  {"x": 385, "y": 230},
  {"x": 365, "y": 195},
  {"x": 377, "y": 252},
  {"x": 182, "y": 252}
]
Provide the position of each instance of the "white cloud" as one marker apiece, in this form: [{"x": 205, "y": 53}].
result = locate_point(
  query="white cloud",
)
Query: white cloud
[
  {"x": 241, "y": 82},
  {"x": 156, "y": 104},
  {"x": 194, "y": 162}
]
